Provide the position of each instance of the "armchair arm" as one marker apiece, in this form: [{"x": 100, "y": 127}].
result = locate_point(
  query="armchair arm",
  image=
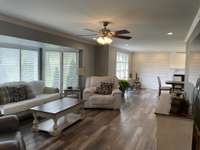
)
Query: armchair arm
[
  {"x": 9, "y": 145},
  {"x": 88, "y": 92},
  {"x": 116, "y": 92},
  {"x": 9, "y": 124},
  {"x": 50, "y": 90}
]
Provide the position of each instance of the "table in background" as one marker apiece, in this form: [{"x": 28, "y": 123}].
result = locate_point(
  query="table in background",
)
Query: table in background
[{"x": 175, "y": 83}]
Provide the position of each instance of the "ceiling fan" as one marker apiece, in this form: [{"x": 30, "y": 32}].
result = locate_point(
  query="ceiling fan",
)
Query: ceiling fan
[{"x": 104, "y": 36}]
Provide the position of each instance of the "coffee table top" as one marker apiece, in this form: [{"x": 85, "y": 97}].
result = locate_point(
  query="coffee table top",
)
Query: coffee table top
[{"x": 57, "y": 106}]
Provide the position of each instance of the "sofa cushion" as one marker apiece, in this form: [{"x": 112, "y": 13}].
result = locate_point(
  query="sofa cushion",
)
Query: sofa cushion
[
  {"x": 27, "y": 104},
  {"x": 105, "y": 88},
  {"x": 101, "y": 99},
  {"x": 37, "y": 87}
]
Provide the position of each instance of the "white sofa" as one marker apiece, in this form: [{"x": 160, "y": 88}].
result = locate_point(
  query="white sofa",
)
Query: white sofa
[
  {"x": 42, "y": 95},
  {"x": 93, "y": 100}
]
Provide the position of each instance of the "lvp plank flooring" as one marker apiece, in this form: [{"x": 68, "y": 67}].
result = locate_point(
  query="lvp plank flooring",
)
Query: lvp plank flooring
[{"x": 131, "y": 128}]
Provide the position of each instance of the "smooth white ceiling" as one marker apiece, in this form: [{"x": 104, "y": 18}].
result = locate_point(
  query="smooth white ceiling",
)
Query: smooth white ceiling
[{"x": 148, "y": 20}]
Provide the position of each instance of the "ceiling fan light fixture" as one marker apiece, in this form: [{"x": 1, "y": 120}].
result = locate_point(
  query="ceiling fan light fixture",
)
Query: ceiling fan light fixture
[{"x": 104, "y": 40}]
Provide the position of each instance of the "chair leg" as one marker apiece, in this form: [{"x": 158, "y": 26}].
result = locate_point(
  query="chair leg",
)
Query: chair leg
[{"x": 159, "y": 92}]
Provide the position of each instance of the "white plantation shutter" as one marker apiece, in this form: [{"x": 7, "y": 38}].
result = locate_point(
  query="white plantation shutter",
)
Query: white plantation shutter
[
  {"x": 29, "y": 65},
  {"x": 9, "y": 65},
  {"x": 52, "y": 69},
  {"x": 122, "y": 66},
  {"x": 70, "y": 69}
]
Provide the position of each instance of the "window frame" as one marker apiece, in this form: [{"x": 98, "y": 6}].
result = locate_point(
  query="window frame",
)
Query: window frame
[
  {"x": 61, "y": 51},
  {"x": 19, "y": 49},
  {"x": 44, "y": 66},
  {"x": 77, "y": 65},
  {"x": 122, "y": 63}
]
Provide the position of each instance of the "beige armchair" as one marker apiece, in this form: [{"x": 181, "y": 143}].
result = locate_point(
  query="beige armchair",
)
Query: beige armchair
[{"x": 93, "y": 100}]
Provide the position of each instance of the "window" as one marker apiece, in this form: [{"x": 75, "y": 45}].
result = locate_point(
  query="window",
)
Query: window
[
  {"x": 61, "y": 67},
  {"x": 122, "y": 66},
  {"x": 52, "y": 69},
  {"x": 9, "y": 65},
  {"x": 29, "y": 65},
  {"x": 70, "y": 69}
]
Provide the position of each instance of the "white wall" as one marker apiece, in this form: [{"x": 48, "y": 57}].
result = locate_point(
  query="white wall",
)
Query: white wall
[{"x": 150, "y": 65}]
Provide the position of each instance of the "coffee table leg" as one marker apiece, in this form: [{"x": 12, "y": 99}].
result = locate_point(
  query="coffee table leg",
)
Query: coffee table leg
[
  {"x": 56, "y": 131},
  {"x": 35, "y": 123}
]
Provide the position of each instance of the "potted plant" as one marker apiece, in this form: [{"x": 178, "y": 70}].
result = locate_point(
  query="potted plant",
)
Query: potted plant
[{"x": 124, "y": 85}]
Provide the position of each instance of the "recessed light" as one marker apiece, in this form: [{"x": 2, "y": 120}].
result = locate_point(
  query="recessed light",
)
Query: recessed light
[{"x": 170, "y": 33}]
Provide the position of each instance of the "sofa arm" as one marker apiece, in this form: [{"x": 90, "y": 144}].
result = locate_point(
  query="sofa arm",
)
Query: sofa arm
[
  {"x": 9, "y": 145},
  {"x": 9, "y": 124},
  {"x": 50, "y": 90},
  {"x": 88, "y": 92},
  {"x": 116, "y": 92}
]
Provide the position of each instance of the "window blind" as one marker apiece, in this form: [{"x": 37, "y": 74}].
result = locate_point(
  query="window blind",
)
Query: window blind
[
  {"x": 9, "y": 65},
  {"x": 29, "y": 65},
  {"x": 70, "y": 69},
  {"x": 52, "y": 69}
]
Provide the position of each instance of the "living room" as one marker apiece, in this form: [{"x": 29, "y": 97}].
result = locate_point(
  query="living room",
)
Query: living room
[{"x": 99, "y": 75}]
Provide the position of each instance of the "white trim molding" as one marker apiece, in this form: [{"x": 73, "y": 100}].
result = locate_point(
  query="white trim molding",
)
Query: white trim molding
[
  {"x": 193, "y": 26},
  {"x": 50, "y": 30}
]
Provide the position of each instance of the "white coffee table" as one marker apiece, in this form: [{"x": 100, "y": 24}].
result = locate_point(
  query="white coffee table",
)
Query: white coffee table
[{"x": 59, "y": 115}]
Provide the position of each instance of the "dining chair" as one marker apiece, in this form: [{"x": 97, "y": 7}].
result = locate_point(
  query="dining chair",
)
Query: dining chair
[{"x": 162, "y": 88}]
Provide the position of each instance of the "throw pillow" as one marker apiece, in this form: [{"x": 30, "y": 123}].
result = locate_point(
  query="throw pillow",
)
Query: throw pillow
[
  {"x": 29, "y": 91},
  {"x": 22, "y": 91},
  {"x": 105, "y": 88},
  {"x": 4, "y": 95},
  {"x": 17, "y": 93}
]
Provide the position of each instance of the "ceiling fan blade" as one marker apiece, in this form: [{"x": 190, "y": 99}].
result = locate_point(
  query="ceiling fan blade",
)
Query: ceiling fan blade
[
  {"x": 123, "y": 37},
  {"x": 121, "y": 32},
  {"x": 91, "y": 30}
]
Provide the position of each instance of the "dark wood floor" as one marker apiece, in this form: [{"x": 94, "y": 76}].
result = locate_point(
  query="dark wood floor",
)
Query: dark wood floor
[{"x": 131, "y": 129}]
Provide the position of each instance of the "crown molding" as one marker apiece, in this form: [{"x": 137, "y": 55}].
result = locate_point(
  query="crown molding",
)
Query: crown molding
[
  {"x": 41, "y": 28},
  {"x": 193, "y": 26}
]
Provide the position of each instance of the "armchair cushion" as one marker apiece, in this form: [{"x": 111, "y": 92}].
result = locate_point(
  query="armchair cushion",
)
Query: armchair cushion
[
  {"x": 116, "y": 92},
  {"x": 101, "y": 99},
  {"x": 9, "y": 124}
]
